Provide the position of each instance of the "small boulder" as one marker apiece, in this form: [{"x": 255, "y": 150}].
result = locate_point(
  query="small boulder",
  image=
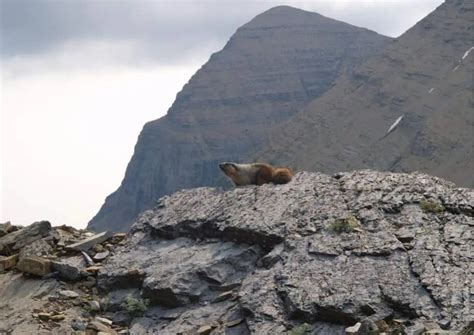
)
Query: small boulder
[
  {"x": 71, "y": 268},
  {"x": 90, "y": 242},
  {"x": 34, "y": 265},
  {"x": 105, "y": 321},
  {"x": 100, "y": 256},
  {"x": 100, "y": 327},
  {"x": 353, "y": 329},
  {"x": 68, "y": 294}
]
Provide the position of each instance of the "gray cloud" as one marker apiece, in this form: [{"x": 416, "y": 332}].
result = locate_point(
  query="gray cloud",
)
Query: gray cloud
[{"x": 172, "y": 31}]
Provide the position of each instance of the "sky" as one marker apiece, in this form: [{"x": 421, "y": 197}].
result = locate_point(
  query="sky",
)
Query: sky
[{"x": 79, "y": 79}]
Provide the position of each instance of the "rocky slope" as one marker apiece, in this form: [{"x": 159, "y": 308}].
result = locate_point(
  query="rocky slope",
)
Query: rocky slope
[
  {"x": 48, "y": 280},
  {"x": 270, "y": 68},
  {"x": 349, "y": 253},
  {"x": 424, "y": 76}
]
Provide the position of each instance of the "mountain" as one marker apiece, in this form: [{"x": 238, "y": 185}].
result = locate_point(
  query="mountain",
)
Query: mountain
[
  {"x": 269, "y": 69},
  {"x": 424, "y": 76}
]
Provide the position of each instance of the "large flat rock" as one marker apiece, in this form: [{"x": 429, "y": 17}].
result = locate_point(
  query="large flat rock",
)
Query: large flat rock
[{"x": 275, "y": 256}]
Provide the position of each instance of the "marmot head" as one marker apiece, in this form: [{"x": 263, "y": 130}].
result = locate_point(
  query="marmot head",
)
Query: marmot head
[{"x": 229, "y": 169}]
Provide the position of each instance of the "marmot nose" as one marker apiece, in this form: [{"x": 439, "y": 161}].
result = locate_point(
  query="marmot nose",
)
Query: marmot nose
[{"x": 221, "y": 166}]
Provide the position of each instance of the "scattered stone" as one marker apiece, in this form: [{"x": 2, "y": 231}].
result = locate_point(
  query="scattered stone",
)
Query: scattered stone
[
  {"x": 94, "y": 305},
  {"x": 44, "y": 316},
  {"x": 353, "y": 329},
  {"x": 430, "y": 325},
  {"x": 93, "y": 269},
  {"x": 88, "y": 258},
  {"x": 440, "y": 332},
  {"x": 205, "y": 330},
  {"x": 118, "y": 237},
  {"x": 57, "y": 317},
  {"x": 68, "y": 294},
  {"x": 105, "y": 321},
  {"x": 7, "y": 263},
  {"x": 416, "y": 329},
  {"x": 100, "y": 327},
  {"x": 90, "y": 242},
  {"x": 78, "y": 325},
  {"x": 223, "y": 296},
  {"x": 72, "y": 268},
  {"x": 34, "y": 265},
  {"x": 101, "y": 256},
  {"x": 233, "y": 323}
]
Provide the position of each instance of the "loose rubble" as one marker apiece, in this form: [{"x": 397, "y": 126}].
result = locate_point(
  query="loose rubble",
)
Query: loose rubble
[{"x": 47, "y": 280}]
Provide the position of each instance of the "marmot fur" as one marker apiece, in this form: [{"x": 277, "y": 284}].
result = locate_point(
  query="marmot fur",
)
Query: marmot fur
[{"x": 255, "y": 174}]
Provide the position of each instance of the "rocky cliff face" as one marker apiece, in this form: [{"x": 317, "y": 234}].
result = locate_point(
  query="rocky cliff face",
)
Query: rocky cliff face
[
  {"x": 367, "y": 250},
  {"x": 270, "y": 68},
  {"x": 425, "y": 76}
]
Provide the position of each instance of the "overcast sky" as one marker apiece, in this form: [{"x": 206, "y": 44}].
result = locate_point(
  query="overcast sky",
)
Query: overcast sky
[{"x": 80, "y": 78}]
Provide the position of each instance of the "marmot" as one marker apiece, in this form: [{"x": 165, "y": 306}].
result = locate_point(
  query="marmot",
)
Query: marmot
[{"x": 256, "y": 173}]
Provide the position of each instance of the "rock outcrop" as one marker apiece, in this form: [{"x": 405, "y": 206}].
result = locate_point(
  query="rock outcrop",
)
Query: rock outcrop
[
  {"x": 349, "y": 253},
  {"x": 269, "y": 69},
  {"x": 425, "y": 77}
]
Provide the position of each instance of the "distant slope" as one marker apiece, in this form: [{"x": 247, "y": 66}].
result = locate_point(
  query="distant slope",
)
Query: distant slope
[
  {"x": 426, "y": 75},
  {"x": 270, "y": 68}
]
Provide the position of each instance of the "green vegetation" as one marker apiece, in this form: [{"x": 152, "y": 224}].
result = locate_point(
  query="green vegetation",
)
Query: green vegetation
[
  {"x": 344, "y": 225},
  {"x": 134, "y": 306},
  {"x": 430, "y": 206},
  {"x": 300, "y": 330},
  {"x": 468, "y": 330}
]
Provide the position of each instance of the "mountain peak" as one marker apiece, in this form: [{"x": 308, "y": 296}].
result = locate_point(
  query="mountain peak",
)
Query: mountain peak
[{"x": 281, "y": 16}]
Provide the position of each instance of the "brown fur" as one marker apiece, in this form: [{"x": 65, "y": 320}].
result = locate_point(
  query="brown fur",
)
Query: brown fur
[{"x": 256, "y": 173}]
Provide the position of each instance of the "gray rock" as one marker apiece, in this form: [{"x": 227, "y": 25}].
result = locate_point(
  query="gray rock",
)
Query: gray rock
[
  {"x": 100, "y": 256},
  {"x": 5, "y": 228},
  {"x": 353, "y": 329},
  {"x": 38, "y": 248},
  {"x": 78, "y": 325},
  {"x": 17, "y": 240},
  {"x": 97, "y": 326},
  {"x": 122, "y": 318},
  {"x": 94, "y": 305},
  {"x": 68, "y": 294},
  {"x": 197, "y": 244},
  {"x": 104, "y": 321},
  {"x": 71, "y": 268},
  {"x": 34, "y": 265},
  {"x": 90, "y": 242}
]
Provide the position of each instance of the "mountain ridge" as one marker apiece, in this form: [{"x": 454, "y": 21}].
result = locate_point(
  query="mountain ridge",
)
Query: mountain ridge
[{"x": 262, "y": 76}]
